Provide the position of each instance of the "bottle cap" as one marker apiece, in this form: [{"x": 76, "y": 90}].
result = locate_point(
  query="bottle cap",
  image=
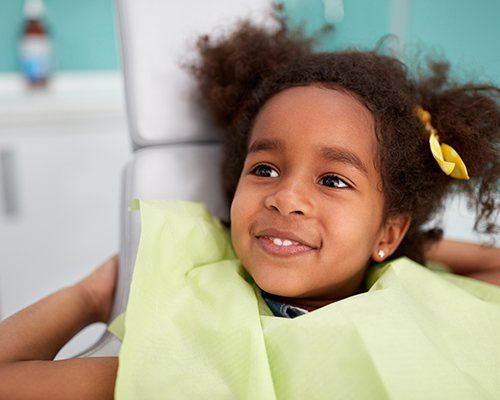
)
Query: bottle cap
[{"x": 33, "y": 9}]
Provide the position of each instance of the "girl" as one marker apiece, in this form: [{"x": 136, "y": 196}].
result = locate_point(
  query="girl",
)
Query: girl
[{"x": 327, "y": 170}]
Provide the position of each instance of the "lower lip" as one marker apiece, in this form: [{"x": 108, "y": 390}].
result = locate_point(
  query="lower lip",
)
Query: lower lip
[{"x": 283, "y": 251}]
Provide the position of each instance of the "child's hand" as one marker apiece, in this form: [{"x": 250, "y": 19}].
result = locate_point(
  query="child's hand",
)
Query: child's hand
[{"x": 99, "y": 287}]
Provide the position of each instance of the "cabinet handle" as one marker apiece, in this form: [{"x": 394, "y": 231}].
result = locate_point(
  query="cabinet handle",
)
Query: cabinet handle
[{"x": 8, "y": 180}]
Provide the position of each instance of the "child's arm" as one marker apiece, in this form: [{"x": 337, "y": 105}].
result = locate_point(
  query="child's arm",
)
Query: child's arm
[
  {"x": 470, "y": 259},
  {"x": 31, "y": 338}
]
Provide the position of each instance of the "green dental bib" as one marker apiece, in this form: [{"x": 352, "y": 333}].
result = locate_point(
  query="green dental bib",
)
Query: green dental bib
[{"x": 196, "y": 327}]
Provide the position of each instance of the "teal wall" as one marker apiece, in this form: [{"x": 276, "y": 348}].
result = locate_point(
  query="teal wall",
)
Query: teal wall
[
  {"x": 463, "y": 31},
  {"x": 365, "y": 21},
  {"x": 83, "y": 33},
  {"x": 467, "y": 32}
]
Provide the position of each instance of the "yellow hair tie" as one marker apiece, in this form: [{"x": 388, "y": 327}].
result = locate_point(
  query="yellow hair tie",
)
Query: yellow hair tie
[{"x": 446, "y": 156}]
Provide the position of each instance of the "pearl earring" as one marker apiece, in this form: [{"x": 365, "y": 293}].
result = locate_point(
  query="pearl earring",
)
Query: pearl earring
[{"x": 381, "y": 253}]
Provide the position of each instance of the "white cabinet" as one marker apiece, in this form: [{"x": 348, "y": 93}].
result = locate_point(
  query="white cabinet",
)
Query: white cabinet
[{"x": 62, "y": 156}]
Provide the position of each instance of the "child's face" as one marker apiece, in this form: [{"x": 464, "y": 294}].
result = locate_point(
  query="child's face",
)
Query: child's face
[{"x": 333, "y": 204}]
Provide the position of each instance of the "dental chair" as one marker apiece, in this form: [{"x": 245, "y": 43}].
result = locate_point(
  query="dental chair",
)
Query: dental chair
[{"x": 176, "y": 151}]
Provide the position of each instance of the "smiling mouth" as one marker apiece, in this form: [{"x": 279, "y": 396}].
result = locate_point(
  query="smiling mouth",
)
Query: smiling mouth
[{"x": 282, "y": 248}]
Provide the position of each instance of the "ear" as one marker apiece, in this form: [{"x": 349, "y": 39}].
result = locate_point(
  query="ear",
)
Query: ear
[{"x": 390, "y": 236}]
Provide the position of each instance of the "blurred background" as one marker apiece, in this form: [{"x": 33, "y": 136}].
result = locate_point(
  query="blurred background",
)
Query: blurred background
[{"x": 63, "y": 128}]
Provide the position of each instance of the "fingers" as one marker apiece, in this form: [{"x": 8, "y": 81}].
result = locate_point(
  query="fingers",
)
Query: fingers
[{"x": 108, "y": 266}]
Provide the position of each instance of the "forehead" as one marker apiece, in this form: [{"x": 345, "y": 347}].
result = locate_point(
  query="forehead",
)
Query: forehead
[{"x": 307, "y": 118}]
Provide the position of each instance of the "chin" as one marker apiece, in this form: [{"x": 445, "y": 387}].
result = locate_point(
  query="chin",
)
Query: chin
[{"x": 279, "y": 286}]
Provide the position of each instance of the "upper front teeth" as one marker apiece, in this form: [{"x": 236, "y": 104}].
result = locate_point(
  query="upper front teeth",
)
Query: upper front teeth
[{"x": 279, "y": 242}]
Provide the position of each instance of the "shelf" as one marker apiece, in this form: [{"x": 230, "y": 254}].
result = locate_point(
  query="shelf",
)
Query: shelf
[{"x": 68, "y": 97}]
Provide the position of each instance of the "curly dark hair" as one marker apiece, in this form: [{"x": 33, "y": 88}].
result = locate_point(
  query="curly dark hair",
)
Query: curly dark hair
[{"x": 239, "y": 72}]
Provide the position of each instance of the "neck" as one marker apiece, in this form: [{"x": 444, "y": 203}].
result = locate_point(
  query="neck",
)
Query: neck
[{"x": 311, "y": 303}]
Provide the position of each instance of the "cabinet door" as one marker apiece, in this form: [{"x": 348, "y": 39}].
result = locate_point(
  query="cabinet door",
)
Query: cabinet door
[{"x": 62, "y": 217}]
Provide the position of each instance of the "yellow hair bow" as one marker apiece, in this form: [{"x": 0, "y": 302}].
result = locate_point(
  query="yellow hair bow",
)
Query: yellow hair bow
[{"x": 446, "y": 156}]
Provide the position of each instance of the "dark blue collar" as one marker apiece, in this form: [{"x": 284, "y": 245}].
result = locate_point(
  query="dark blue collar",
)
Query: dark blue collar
[{"x": 282, "y": 309}]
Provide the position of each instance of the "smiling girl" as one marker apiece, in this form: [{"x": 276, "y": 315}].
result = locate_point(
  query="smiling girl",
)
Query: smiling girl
[
  {"x": 327, "y": 171},
  {"x": 310, "y": 177}
]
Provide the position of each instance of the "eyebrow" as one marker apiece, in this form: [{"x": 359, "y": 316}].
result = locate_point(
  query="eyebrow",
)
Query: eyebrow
[
  {"x": 331, "y": 154},
  {"x": 265, "y": 145}
]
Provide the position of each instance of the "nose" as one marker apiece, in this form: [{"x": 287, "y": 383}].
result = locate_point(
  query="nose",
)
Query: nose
[{"x": 289, "y": 197}]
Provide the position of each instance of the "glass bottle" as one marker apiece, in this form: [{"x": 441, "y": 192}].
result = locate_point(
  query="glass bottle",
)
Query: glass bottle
[{"x": 35, "y": 47}]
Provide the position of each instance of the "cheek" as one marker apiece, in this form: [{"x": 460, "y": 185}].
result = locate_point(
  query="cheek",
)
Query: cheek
[
  {"x": 240, "y": 212},
  {"x": 245, "y": 203},
  {"x": 236, "y": 218},
  {"x": 352, "y": 227}
]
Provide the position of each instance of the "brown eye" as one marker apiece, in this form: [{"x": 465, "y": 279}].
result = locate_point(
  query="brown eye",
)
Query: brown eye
[
  {"x": 265, "y": 171},
  {"x": 334, "y": 182}
]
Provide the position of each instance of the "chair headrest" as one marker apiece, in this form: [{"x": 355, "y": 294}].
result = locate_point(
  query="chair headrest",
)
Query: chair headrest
[{"x": 157, "y": 37}]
